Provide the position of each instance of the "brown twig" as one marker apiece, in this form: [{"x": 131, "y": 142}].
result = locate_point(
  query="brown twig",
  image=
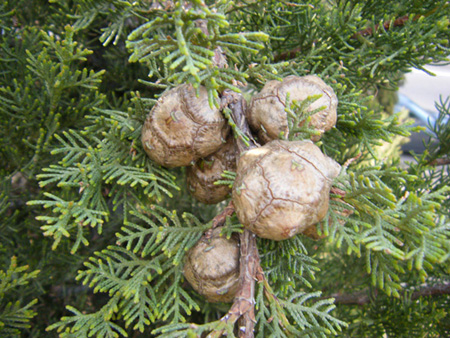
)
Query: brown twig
[
  {"x": 287, "y": 55},
  {"x": 244, "y": 303},
  {"x": 238, "y": 106},
  {"x": 220, "y": 219},
  {"x": 432, "y": 290},
  {"x": 351, "y": 160},
  {"x": 363, "y": 297},
  {"x": 440, "y": 161},
  {"x": 337, "y": 191},
  {"x": 358, "y": 298},
  {"x": 399, "y": 22},
  {"x": 243, "y": 308}
]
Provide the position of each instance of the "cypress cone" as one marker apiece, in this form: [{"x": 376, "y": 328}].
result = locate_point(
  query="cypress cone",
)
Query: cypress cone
[
  {"x": 212, "y": 267},
  {"x": 181, "y": 127},
  {"x": 282, "y": 188},
  {"x": 267, "y": 116}
]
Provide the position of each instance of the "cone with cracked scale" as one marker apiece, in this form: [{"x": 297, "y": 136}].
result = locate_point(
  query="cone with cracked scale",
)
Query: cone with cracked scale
[
  {"x": 282, "y": 189},
  {"x": 212, "y": 267},
  {"x": 267, "y": 116},
  {"x": 182, "y": 127},
  {"x": 202, "y": 175}
]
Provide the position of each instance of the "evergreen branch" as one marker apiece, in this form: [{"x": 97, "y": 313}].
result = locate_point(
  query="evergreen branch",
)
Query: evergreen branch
[
  {"x": 119, "y": 271},
  {"x": 115, "y": 118},
  {"x": 273, "y": 314},
  {"x": 140, "y": 312},
  {"x": 64, "y": 176},
  {"x": 229, "y": 177},
  {"x": 71, "y": 148},
  {"x": 87, "y": 325},
  {"x": 243, "y": 303},
  {"x": 127, "y": 280},
  {"x": 306, "y": 317},
  {"x": 89, "y": 164},
  {"x": 14, "y": 276},
  {"x": 118, "y": 12},
  {"x": 286, "y": 264},
  {"x": 309, "y": 316},
  {"x": 430, "y": 246},
  {"x": 438, "y": 152},
  {"x": 5, "y": 13},
  {"x": 164, "y": 232},
  {"x": 124, "y": 11},
  {"x": 265, "y": 70},
  {"x": 90, "y": 9},
  {"x": 380, "y": 238},
  {"x": 267, "y": 317},
  {"x": 192, "y": 47},
  {"x": 391, "y": 229},
  {"x": 62, "y": 77},
  {"x": 15, "y": 317},
  {"x": 299, "y": 118},
  {"x": 66, "y": 49},
  {"x": 382, "y": 267},
  {"x": 175, "y": 302},
  {"x": 72, "y": 213},
  {"x": 127, "y": 175},
  {"x": 389, "y": 24},
  {"x": 220, "y": 219}
]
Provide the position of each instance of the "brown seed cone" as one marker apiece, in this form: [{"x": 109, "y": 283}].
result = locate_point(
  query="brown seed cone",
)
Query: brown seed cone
[
  {"x": 212, "y": 267},
  {"x": 182, "y": 128},
  {"x": 282, "y": 188},
  {"x": 267, "y": 115},
  {"x": 202, "y": 175}
]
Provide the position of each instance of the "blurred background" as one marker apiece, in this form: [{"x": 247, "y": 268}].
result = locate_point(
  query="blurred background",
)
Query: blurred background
[
  {"x": 418, "y": 95},
  {"x": 424, "y": 89}
]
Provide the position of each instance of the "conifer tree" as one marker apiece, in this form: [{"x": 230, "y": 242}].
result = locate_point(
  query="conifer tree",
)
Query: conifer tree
[{"x": 97, "y": 237}]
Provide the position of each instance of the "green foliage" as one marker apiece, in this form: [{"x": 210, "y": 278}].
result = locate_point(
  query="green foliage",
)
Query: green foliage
[
  {"x": 406, "y": 316},
  {"x": 98, "y": 163},
  {"x": 14, "y": 316},
  {"x": 271, "y": 319},
  {"x": 285, "y": 264},
  {"x": 392, "y": 230},
  {"x": 299, "y": 118},
  {"x": 134, "y": 274},
  {"x": 52, "y": 71},
  {"x": 77, "y": 79},
  {"x": 190, "y": 43},
  {"x": 430, "y": 166}
]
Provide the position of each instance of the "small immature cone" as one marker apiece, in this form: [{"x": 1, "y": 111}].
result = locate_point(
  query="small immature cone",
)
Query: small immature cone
[
  {"x": 267, "y": 115},
  {"x": 212, "y": 267},
  {"x": 282, "y": 188},
  {"x": 182, "y": 128},
  {"x": 202, "y": 175}
]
